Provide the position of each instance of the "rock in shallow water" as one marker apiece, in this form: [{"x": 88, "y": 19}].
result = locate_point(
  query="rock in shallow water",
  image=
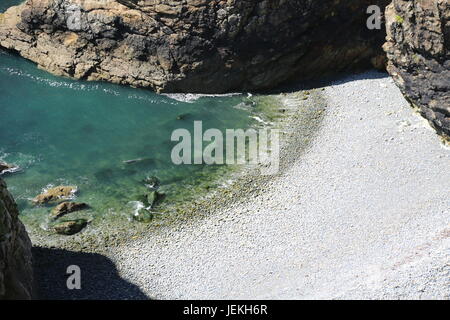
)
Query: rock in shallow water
[
  {"x": 152, "y": 183},
  {"x": 55, "y": 194},
  {"x": 67, "y": 207},
  {"x": 7, "y": 168},
  {"x": 70, "y": 227},
  {"x": 154, "y": 197}
]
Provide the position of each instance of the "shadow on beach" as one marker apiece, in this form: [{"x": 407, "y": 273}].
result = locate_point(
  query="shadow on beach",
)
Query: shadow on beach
[
  {"x": 99, "y": 277},
  {"x": 294, "y": 85}
]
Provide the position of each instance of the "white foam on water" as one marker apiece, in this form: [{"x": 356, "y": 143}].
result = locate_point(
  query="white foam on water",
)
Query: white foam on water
[
  {"x": 260, "y": 120},
  {"x": 21, "y": 160},
  {"x": 10, "y": 170},
  {"x": 151, "y": 100},
  {"x": 72, "y": 195},
  {"x": 192, "y": 97},
  {"x": 189, "y": 98},
  {"x": 3, "y": 155},
  {"x": 136, "y": 206},
  {"x": 50, "y": 82},
  {"x": 14, "y": 169},
  {"x": 243, "y": 106},
  {"x": 113, "y": 92},
  {"x": 77, "y": 86}
]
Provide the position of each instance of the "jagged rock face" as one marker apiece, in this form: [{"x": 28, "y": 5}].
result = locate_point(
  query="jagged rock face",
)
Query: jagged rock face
[
  {"x": 16, "y": 273},
  {"x": 206, "y": 46},
  {"x": 418, "y": 49}
]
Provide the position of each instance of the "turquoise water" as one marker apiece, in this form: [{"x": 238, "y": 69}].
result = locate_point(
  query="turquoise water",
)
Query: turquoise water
[
  {"x": 5, "y": 4},
  {"x": 66, "y": 132}
]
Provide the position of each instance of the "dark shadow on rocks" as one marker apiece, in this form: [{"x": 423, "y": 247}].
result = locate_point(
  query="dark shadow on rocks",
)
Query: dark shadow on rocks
[
  {"x": 99, "y": 277},
  {"x": 326, "y": 81}
]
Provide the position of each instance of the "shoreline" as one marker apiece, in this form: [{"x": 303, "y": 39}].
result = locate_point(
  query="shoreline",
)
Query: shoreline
[
  {"x": 115, "y": 231},
  {"x": 88, "y": 246},
  {"x": 313, "y": 232}
]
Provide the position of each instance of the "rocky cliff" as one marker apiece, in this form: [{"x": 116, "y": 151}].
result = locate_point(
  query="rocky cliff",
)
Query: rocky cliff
[
  {"x": 418, "y": 48},
  {"x": 15, "y": 251},
  {"x": 206, "y": 46}
]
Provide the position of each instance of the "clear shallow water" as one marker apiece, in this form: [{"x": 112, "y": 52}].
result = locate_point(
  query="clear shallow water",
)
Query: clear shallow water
[
  {"x": 5, "y": 4},
  {"x": 66, "y": 132}
]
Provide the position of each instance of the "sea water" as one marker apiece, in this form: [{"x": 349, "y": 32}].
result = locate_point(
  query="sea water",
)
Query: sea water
[
  {"x": 5, "y": 4},
  {"x": 67, "y": 132}
]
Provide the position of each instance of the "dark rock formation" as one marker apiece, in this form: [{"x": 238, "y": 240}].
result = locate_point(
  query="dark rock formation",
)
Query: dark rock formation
[
  {"x": 7, "y": 168},
  {"x": 70, "y": 227},
  {"x": 418, "y": 49},
  {"x": 55, "y": 194},
  {"x": 16, "y": 275},
  {"x": 206, "y": 46},
  {"x": 67, "y": 207}
]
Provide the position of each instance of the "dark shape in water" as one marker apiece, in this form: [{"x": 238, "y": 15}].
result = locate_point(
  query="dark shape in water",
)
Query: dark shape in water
[
  {"x": 70, "y": 227},
  {"x": 152, "y": 183},
  {"x": 137, "y": 160},
  {"x": 104, "y": 174},
  {"x": 154, "y": 198},
  {"x": 67, "y": 207},
  {"x": 88, "y": 129},
  {"x": 183, "y": 116},
  {"x": 8, "y": 168}
]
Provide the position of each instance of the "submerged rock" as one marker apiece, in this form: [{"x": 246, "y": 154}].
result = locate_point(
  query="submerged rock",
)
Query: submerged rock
[
  {"x": 70, "y": 227},
  {"x": 67, "y": 207},
  {"x": 135, "y": 160},
  {"x": 55, "y": 194},
  {"x": 183, "y": 116},
  {"x": 152, "y": 183},
  {"x": 7, "y": 168},
  {"x": 144, "y": 206},
  {"x": 143, "y": 215},
  {"x": 154, "y": 197}
]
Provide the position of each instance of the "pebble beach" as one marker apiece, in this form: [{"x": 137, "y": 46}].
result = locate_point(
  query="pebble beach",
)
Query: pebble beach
[{"x": 363, "y": 212}]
